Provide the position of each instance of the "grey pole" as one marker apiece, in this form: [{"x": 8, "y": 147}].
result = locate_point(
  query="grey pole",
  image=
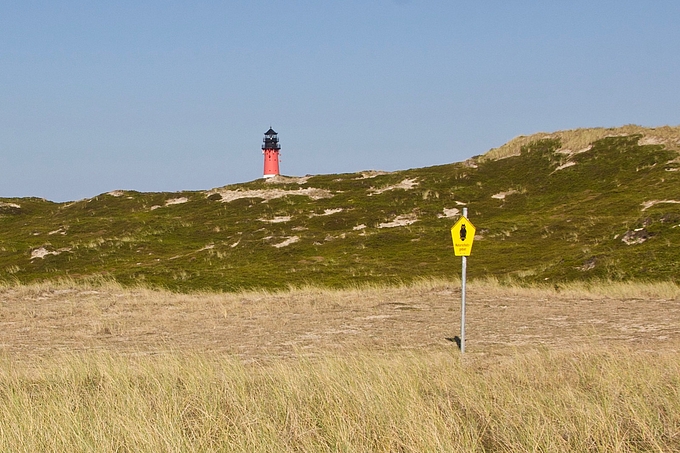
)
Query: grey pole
[{"x": 462, "y": 308}]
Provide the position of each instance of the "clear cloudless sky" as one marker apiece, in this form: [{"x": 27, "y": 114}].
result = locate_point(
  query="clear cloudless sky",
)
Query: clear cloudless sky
[{"x": 176, "y": 95}]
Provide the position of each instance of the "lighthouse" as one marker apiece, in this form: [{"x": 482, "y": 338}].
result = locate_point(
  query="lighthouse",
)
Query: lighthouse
[{"x": 270, "y": 149}]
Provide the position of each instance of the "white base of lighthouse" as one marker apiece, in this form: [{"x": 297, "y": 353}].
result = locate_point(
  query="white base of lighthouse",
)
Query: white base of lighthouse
[{"x": 269, "y": 176}]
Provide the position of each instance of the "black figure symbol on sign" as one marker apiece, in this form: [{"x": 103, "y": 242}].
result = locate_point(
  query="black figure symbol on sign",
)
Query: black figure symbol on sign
[{"x": 463, "y": 233}]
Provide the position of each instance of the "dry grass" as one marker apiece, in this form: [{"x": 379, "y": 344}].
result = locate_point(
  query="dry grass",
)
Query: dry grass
[
  {"x": 576, "y": 140},
  {"x": 103, "y": 368},
  {"x": 615, "y": 399},
  {"x": 258, "y": 325}
]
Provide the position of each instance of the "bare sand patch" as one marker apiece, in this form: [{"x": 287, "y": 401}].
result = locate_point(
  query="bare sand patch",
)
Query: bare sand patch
[
  {"x": 42, "y": 252},
  {"x": 652, "y": 140},
  {"x": 648, "y": 204},
  {"x": 327, "y": 212},
  {"x": 278, "y": 179},
  {"x": 399, "y": 221},
  {"x": 565, "y": 165},
  {"x": 171, "y": 202},
  {"x": 180, "y": 200},
  {"x": 502, "y": 195},
  {"x": 406, "y": 184},
  {"x": 636, "y": 236},
  {"x": 270, "y": 194},
  {"x": 287, "y": 242},
  {"x": 277, "y": 219},
  {"x": 448, "y": 213},
  {"x": 570, "y": 152}
]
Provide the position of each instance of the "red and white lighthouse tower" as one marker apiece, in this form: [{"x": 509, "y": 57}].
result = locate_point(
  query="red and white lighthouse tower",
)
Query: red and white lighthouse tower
[{"x": 270, "y": 149}]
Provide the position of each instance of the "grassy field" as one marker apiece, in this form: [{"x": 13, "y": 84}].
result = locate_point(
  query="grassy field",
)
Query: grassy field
[
  {"x": 108, "y": 368},
  {"x": 608, "y": 399}
]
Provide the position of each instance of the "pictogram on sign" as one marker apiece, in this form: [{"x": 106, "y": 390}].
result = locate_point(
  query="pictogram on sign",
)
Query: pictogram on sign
[{"x": 463, "y": 234}]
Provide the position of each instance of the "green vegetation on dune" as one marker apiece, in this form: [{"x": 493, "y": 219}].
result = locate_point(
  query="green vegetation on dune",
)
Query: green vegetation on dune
[{"x": 609, "y": 210}]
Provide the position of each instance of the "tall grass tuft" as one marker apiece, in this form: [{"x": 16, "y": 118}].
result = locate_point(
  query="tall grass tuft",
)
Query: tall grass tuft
[
  {"x": 602, "y": 400},
  {"x": 595, "y": 288}
]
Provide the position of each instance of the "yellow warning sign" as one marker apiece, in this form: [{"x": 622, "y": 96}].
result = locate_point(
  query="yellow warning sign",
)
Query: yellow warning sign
[{"x": 463, "y": 233}]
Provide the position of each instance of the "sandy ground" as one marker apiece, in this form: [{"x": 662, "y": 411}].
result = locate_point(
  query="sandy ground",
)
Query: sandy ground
[{"x": 256, "y": 326}]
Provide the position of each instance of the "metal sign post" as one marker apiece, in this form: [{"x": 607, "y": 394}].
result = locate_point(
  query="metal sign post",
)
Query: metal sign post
[
  {"x": 462, "y": 302},
  {"x": 463, "y": 234}
]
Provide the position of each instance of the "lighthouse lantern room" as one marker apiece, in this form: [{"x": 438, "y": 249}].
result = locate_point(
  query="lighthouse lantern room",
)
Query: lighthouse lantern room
[{"x": 270, "y": 149}]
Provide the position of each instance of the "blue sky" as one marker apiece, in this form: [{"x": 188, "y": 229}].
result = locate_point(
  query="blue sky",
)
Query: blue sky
[{"x": 169, "y": 96}]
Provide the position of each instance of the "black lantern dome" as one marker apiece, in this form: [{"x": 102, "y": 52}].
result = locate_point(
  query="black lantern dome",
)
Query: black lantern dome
[{"x": 271, "y": 140}]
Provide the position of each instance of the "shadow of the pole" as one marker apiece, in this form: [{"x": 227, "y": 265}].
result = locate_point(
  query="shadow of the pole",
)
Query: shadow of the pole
[{"x": 456, "y": 340}]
